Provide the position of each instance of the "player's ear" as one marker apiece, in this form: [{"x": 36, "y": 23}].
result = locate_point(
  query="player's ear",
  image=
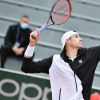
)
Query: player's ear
[{"x": 67, "y": 42}]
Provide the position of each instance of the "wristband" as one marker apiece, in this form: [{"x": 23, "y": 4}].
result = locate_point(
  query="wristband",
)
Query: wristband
[{"x": 29, "y": 51}]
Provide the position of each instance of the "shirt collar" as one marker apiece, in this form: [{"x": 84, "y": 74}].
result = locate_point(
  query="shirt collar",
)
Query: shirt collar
[{"x": 66, "y": 58}]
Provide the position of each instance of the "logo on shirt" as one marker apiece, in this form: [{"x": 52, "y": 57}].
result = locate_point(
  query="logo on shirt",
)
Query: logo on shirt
[{"x": 80, "y": 61}]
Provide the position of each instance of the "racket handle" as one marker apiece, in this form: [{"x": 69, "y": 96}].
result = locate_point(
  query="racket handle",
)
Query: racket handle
[{"x": 42, "y": 27}]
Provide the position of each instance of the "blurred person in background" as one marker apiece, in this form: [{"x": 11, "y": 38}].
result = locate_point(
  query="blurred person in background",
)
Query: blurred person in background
[
  {"x": 71, "y": 72},
  {"x": 16, "y": 40}
]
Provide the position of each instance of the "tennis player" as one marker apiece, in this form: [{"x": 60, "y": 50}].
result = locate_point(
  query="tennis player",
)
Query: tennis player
[{"x": 71, "y": 72}]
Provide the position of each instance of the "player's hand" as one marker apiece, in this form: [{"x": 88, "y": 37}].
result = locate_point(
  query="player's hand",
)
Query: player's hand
[{"x": 34, "y": 37}]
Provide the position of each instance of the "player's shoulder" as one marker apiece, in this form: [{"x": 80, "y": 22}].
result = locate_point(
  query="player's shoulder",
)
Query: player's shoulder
[{"x": 93, "y": 48}]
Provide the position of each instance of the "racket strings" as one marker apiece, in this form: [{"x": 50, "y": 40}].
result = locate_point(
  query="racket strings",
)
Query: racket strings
[{"x": 61, "y": 12}]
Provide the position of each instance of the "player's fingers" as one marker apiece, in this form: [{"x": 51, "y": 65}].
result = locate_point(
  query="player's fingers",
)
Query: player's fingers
[{"x": 35, "y": 34}]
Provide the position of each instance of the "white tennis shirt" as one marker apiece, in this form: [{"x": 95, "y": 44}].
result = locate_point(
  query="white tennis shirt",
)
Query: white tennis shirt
[{"x": 62, "y": 80}]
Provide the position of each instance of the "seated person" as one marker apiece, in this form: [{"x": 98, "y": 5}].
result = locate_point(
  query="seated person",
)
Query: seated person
[{"x": 16, "y": 40}]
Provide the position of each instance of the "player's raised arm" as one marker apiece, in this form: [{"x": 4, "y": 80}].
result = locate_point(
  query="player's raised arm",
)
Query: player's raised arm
[{"x": 33, "y": 41}]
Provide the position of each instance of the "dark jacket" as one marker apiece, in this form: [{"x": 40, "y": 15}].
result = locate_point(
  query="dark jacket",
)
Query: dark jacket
[
  {"x": 16, "y": 33},
  {"x": 83, "y": 65}
]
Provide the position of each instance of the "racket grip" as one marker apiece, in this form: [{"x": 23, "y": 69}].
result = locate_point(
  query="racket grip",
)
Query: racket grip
[{"x": 42, "y": 27}]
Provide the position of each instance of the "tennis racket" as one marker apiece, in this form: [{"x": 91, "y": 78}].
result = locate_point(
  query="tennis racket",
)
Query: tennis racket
[{"x": 59, "y": 14}]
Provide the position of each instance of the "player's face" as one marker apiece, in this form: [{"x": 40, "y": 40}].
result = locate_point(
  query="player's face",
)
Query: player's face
[{"x": 75, "y": 41}]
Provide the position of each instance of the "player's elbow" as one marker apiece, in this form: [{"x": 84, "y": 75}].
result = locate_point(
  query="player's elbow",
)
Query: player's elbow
[
  {"x": 24, "y": 68},
  {"x": 25, "y": 65}
]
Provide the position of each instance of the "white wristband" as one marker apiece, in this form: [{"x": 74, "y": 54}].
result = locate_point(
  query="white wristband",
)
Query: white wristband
[{"x": 29, "y": 51}]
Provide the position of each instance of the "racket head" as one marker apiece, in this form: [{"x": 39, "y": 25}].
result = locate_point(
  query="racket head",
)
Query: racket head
[{"x": 61, "y": 12}]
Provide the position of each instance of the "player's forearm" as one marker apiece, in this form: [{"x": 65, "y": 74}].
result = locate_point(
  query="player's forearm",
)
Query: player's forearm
[{"x": 31, "y": 47}]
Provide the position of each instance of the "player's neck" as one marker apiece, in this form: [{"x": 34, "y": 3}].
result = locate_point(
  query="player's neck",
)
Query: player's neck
[{"x": 72, "y": 53}]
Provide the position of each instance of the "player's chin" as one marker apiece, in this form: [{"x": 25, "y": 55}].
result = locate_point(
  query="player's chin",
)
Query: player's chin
[{"x": 79, "y": 46}]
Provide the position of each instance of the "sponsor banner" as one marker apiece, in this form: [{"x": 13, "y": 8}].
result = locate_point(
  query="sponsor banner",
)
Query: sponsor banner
[{"x": 20, "y": 86}]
